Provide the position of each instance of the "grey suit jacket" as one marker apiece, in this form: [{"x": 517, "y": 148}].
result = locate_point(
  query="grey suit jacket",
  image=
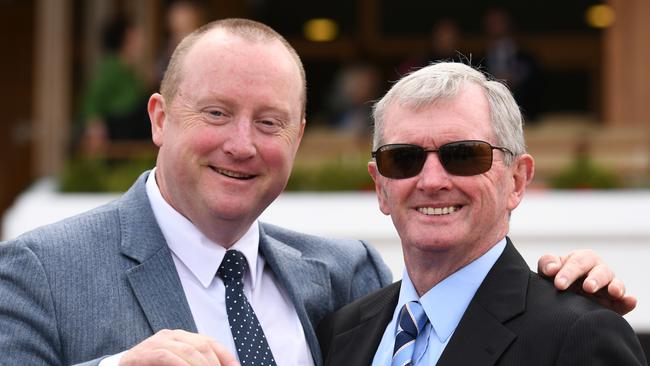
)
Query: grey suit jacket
[{"x": 98, "y": 283}]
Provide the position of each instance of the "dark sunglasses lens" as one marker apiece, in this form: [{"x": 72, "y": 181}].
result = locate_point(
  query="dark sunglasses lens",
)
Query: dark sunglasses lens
[
  {"x": 400, "y": 161},
  {"x": 466, "y": 158}
]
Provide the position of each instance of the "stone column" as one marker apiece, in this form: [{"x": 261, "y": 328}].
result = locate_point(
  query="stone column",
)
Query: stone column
[
  {"x": 626, "y": 71},
  {"x": 52, "y": 85}
]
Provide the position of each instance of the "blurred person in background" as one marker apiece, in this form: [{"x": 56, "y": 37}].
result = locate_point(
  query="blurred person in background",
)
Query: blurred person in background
[
  {"x": 349, "y": 104},
  {"x": 507, "y": 61},
  {"x": 149, "y": 279},
  {"x": 113, "y": 105},
  {"x": 182, "y": 18},
  {"x": 444, "y": 45}
]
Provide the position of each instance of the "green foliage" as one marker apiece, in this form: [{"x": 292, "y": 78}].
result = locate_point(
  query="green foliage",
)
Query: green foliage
[
  {"x": 335, "y": 175},
  {"x": 103, "y": 175},
  {"x": 583, "y": 173}
]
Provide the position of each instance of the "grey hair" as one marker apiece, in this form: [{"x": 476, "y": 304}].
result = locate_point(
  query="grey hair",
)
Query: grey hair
[{"x": 444, "y": 80}]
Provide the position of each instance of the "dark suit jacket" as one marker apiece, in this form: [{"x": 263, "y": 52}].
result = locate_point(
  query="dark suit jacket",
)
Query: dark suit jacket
[
  {"x": 98, "y": 283},
  {"x": 515, "y": 318}
]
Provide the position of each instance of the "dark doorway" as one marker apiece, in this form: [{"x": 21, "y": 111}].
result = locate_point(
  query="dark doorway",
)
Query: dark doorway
[{"x": 17, "y": 29}]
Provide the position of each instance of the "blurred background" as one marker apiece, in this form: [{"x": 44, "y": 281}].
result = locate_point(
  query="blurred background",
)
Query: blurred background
[{"x": 76, "y": 75}]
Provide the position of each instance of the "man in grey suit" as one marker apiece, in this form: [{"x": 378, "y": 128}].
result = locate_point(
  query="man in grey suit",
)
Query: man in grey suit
[{"x": 136, "y": 282}]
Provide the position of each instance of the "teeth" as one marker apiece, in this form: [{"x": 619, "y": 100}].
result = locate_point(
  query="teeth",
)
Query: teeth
[
  {"x": 437, "y": 210},
  {"x": 232, "y": 174}
]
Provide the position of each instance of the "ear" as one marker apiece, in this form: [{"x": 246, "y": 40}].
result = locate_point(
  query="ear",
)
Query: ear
[
  {"x": 381, "y": 192},
  {"x": 523, "y": 170},
  {"x": 157, "y": 116}
]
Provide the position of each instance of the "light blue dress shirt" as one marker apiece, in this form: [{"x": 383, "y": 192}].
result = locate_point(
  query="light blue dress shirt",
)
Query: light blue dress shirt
[{"x": 444, "y": 305}]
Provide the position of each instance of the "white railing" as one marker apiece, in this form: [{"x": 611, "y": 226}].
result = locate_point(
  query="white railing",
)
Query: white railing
[{"x": 614, "y": 223}]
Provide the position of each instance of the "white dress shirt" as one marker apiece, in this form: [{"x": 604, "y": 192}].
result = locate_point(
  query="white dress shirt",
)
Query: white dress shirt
[{"x": 197, "y": 259}]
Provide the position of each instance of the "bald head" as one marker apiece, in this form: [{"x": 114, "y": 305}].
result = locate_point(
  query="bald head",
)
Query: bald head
[{"x": 248, "y": 30}]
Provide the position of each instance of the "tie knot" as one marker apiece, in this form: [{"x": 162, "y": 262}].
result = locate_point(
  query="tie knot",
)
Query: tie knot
[
  {"x": 232, "y": 266},
  {"x": 412, "y": 318}
]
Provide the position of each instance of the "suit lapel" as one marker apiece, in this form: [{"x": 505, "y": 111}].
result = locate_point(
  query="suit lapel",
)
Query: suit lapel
[
  {"x": 307, "y": 281},
  {"x": 358, "y": 344},
  {"x": 154, "y": 280},
  {"x": 481, "y": 336},
  {"x": 479, "y": 340}
]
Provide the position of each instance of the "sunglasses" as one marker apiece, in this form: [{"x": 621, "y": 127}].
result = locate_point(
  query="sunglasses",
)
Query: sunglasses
[{"x": 464, "y": 158}]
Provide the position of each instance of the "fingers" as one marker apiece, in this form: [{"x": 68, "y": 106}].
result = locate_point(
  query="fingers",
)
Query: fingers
[
  {"x": 215, "y": 353},
  {"x": 599, "y": 282},
  {"x": 154, "y": 357},
  {"x": 616, "y": 289},
  {"x": 614, "y": 297},
  {"x": 625, "y": 305},
  {"x": 621, "y": 306},
  {"x": 178, "y": 348},
  {"x": 191, "y": 354},
  {"x": 578, "y": 264},
  {"x": 549, "y": 264},
  {"x": 194, "y": 351},
  {"x": 602, "y": 276},
  {"x": 225, "y": 357}
]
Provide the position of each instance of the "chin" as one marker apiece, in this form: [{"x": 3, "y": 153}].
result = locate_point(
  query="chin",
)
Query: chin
[
  {"x": 433, "y": 242},
  {"x": 226, "y": 210}
]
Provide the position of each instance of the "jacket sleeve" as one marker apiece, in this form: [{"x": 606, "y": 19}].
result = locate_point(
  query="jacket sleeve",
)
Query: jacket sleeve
[
  {"x": 29, "y": 332},
  {"x": 601, "y": 337},
  {"x": 28, "y": 324}
]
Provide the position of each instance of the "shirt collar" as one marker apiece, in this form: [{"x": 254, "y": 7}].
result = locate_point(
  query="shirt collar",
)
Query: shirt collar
[
  {"x": 201, "y": 255},
  {"x": 447, "y": 301}
]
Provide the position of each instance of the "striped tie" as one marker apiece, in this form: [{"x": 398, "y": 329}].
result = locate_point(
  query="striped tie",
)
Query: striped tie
[{"x": 412, "y": 320}]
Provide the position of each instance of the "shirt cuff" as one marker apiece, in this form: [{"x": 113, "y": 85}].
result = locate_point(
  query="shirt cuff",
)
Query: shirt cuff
[{"x": 113, "y": 360}]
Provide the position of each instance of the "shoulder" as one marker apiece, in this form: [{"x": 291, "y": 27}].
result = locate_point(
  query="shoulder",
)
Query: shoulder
[
  {"x": 321, "y": 247},
  {"x": 573, "y": 317},
  {"x": 355, "y": 268},
  {"x": 95, "y": 228},
  {"x": 564, "y": 310},
  {"x": 587, "y": 332},
  {"x": 543, "y": 296},
  {"x": 366, "y": 306},
  {"x": 375, "y": 309},
  {"x": 62, "y": 255},
  {"x": 82, "y": 229}
]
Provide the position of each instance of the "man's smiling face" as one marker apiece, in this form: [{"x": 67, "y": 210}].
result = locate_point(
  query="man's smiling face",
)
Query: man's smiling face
[
  {"x": 435, "y": 211},
  {"x": 229, "y": 137}
]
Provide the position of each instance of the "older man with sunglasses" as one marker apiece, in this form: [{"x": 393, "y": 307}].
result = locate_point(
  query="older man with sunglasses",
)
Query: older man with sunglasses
[{"x": 449, "y": 167}]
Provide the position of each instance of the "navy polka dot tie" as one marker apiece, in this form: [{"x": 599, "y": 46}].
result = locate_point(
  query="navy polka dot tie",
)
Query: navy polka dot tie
[{"x": 252, "y": 347}]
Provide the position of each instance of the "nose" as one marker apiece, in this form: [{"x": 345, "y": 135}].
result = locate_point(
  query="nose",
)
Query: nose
[
  {"x": 433, "y": 176},
  {"x": 240, "y": 142}
]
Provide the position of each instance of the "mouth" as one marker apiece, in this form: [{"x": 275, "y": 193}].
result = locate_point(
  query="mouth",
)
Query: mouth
[
  {"x": 439, "y": 211},
  {"x": 232, "y": 174}
]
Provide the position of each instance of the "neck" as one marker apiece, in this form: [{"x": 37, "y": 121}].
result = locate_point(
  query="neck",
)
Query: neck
[
  {"x": 427, "y": 268},
  {"x": 223, "y": 233}
]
